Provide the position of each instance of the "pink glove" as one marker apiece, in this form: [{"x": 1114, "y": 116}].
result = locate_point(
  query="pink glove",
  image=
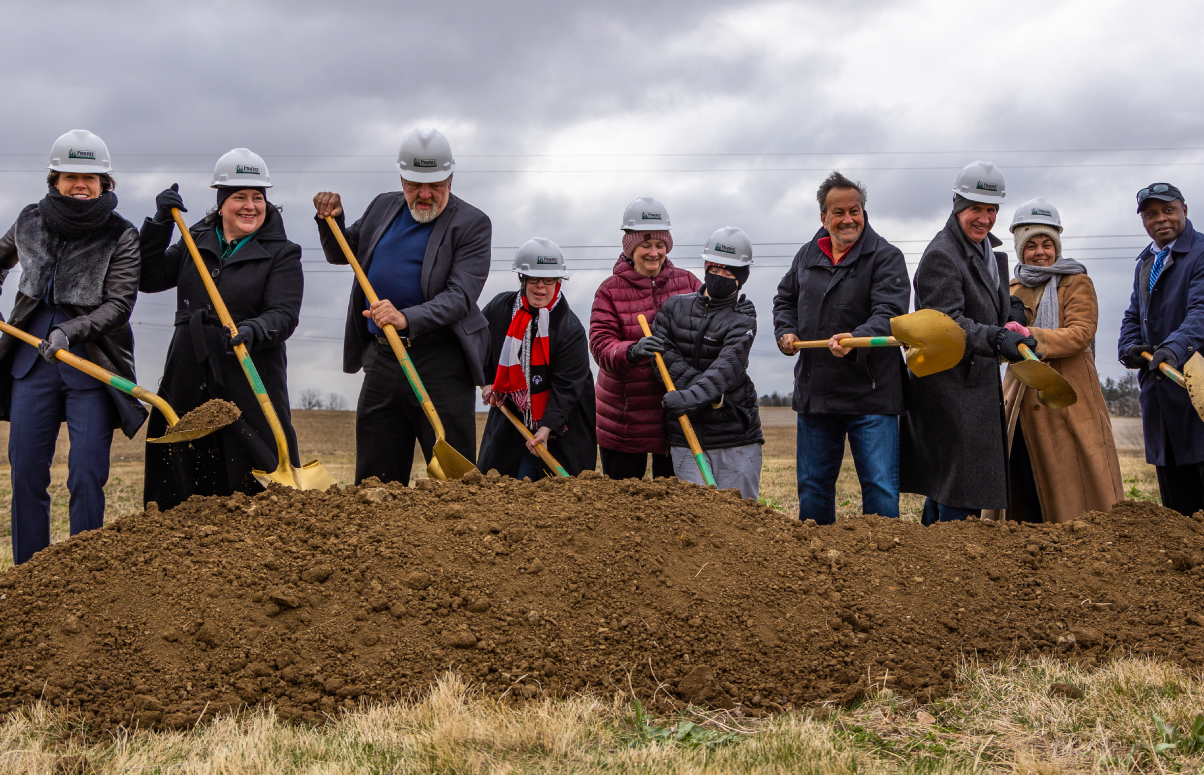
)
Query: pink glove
[{"x": 1019, "y": 329}]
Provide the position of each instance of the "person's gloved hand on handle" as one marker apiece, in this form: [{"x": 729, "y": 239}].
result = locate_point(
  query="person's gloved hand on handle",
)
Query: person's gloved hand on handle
[
  {"x": 1007, "y": 344},
  {"x": 56, "y": 341},
  {"x": 165, "y": 201},
  {"x": 644, "y": 348}
]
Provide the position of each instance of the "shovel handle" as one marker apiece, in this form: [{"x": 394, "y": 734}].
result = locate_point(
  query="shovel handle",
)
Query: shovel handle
[
  {"x": 240, "y": 350},
  {"x": 704, "y": 466},
  {"x": 399, "y": 349},
  {"x": 851, "y": 341},
  {"x": 96, "y": 372},
  {"x": 540, "y": 449},
  {"x": 1028, "y": 354},
  {"x": 1175, "y": 375}
]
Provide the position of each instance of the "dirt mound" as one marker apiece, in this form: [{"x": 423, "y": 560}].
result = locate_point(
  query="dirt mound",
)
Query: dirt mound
[{"x": 310, "y": 601}]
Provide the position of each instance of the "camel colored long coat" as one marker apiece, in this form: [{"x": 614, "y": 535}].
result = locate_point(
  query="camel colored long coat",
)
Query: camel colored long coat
[{"x": 1072, "y": 449}]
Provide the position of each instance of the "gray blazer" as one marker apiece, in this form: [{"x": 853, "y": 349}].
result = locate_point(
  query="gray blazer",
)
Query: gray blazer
[
  {"x": 454, "y": 270},
  {"x": 952, "y": 443}
]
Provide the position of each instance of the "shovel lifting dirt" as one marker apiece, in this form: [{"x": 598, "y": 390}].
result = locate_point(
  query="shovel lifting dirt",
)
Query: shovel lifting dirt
[
  {"x": 1052, "y": 388},
  {"x": 704, "y": 466},
  {"x": 1191, "y": 379},
  {"x": 311, "y": 476},
  {"x": 127, "y": 387},
  {"x": 934, "y": 341},
  {"x": 446, "y": 462},
  {"x": 540, "y": 449}
]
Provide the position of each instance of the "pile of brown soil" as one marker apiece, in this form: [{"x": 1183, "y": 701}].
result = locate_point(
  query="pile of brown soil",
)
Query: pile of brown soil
[
  {"x": 311, "y": 601},
  {"x": 214, "y": 413}
]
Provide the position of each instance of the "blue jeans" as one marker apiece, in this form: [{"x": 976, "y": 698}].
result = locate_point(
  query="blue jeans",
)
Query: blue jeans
[
  {"x": 41, "y": 400},
  {"x": 874, "y": 439},
  {"x": 935, "y": 512},
  {"x": 530, "y": 465}
]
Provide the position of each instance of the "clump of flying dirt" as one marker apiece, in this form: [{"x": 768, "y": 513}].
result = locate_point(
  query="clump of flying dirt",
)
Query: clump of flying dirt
[
  {"x": 310, "y": 601},
  {"x": 214, "y": 413}
]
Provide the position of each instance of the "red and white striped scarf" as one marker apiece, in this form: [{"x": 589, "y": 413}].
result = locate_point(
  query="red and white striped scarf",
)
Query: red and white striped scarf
[{"x": 524, "y": 367}]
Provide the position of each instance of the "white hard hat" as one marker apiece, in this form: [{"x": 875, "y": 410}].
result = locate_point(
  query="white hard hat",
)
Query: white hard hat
[
  {"x": 241, "y": 168},
  {"x": 980, "y": 181},
  {"x": 729, "y": 246},
  {"x": 80, "y": 151},
  {"x": 646, "y": 214},
  {"x": 1036, "y": 211},
  {"x": 425, "y": 157},
  {"x": 540, "y": 257}
]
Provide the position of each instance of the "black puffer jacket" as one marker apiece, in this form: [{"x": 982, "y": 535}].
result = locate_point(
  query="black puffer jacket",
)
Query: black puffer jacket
[
  {"x": 706, "y": 351},
  {"x": 102, "y": 329}
]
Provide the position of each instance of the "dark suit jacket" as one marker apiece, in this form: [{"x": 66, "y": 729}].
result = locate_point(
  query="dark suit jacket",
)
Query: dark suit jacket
[{"x": 454, "y": 270}]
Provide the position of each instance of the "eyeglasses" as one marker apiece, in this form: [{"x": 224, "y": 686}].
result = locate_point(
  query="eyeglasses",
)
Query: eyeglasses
[
  {"x": 1157, "y": 188},
  {"x": 543, "y": 280}
]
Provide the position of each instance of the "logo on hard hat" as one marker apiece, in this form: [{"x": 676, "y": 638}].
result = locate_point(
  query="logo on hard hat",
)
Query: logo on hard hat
[
  {"x": 721, "y": 248},
  {"x": 984, "y": 186},
  {"x": 650, "y": 216},
  {"x": 74, "y": 154},
  {"x": 425, "y": 163},
  {"x": 245, "y": 169},
  {"x": 1046, "y": 213},
  {"x": 546, "y": 260}
]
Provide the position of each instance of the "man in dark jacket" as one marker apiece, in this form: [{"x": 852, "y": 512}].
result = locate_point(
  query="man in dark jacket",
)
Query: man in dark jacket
[
  {"x": 845, "y": 279},
  {"x": 1166, "y": 319},
  {"x": 952, "y": 443},
  {"x": 426, "y": 253},
  {"x": 706, "y": 346}
]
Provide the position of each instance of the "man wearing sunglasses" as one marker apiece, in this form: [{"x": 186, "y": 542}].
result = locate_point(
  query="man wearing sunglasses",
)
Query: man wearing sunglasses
[{"x": 1166, "y": 320}]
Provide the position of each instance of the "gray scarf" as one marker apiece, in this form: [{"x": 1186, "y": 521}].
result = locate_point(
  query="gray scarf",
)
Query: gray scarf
[
  {"x": 1048, "y": 314},
  {"x": 77, "y": 265}
]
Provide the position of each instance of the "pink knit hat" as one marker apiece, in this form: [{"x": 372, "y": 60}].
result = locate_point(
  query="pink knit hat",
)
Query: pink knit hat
[{"x": 633, "y": 239}]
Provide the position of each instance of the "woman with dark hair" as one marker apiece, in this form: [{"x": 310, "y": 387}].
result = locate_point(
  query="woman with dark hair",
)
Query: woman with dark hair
[
  {"x": 539, "y": 356},
  {"x": 79, "y": 279},
  {"x": 257, "y": 271}
]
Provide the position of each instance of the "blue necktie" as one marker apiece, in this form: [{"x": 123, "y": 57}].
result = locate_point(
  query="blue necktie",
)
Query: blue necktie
[{"x": 1157, "y": 268}]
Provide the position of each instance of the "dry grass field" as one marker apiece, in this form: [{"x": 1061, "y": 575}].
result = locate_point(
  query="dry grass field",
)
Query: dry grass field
[{"x": 1002, "y": 719}]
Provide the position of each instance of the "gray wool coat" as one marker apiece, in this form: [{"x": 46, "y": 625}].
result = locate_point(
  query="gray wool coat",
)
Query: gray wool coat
[{"x": 952, "y": 443}]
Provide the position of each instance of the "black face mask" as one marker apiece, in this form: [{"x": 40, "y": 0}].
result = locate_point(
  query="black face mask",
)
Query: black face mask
[{"x": 720, "y": 287}]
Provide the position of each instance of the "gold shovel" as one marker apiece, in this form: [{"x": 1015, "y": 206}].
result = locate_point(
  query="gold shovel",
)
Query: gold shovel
[
  {"x": 446, "y": 462},
  {"x": 1191, "y": 379},
  {"x": 1052, "y": 388},
  {"x": 312, "y": 475},
  {"x": 122, "y": 384},
  {"x": 934, "y": 341}
]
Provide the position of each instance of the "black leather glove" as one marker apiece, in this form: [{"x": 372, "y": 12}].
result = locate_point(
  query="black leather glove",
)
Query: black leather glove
[
  {"x": 645, "y": 347},
  {"x": 246, "y": 335},
  {"x": 1132, "y": 358},
  {"x": 165, "y": 201},
  {"x": 1016, "y": 312},
  {"x": 674, "y": 403},
  {"x": 1163, "y": 355},
  {"x": 745, "y": 307},
  {"x": 52, "y": 344},
  {"x": 1007, "y": 344}
]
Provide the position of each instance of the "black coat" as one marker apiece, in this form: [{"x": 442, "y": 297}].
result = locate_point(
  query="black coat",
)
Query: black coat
[
  {"x": 952, "y": 444},
  {"x": 707, "y": 343},
  {"x": 570, "y": 413},
  {"x": 860, "y": 295},
  {"x": 103, "y": 329},
  {"x": 261, "y": 285},
  {"x": 454, "y": 269}
]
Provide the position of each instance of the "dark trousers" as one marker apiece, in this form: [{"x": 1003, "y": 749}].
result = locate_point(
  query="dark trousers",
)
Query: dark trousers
[
  {"x": 389, "y": 418},
  {"x": 41, "y": 401},
  {"x": 1026, "y": 502},
  {"x": 1181, "y": 486},
  {"x": 935, "y": 512},
  {"x": 874, "y": 441},
  {"x": 633, "y": 465}
]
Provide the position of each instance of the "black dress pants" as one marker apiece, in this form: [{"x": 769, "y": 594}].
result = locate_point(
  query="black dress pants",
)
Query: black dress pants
[
  {"x": 632, "y": 465},
  {"x": 389, "y": 418}
]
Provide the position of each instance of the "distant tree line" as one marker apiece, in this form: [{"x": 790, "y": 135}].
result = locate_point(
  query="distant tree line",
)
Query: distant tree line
[
  {"x": 776, "y": 399},
  {"x": 1121, "y": 396},
  {"x": 312, "y": 398}
]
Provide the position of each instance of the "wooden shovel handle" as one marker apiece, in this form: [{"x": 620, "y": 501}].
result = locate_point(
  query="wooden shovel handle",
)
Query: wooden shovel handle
[
  {"x": 1175, "y": 375},
  {"x": 849, "y": 341},
  {"x": 540, "y": 449}
]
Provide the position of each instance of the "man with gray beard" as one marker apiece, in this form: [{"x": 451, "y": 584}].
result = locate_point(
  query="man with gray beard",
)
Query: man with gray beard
[{"x": 426, "y": 253}]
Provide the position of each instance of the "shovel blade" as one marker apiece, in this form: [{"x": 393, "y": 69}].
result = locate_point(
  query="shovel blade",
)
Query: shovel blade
[
  {"x": 934, "y": 341},
  {"x": 446, "y": 463},
  {"x": 171, "y": 438},
  {"x": 1052, "y": 388},
  {"x": 311, "y": 476},
  {"x": 1193, "y": 371}
]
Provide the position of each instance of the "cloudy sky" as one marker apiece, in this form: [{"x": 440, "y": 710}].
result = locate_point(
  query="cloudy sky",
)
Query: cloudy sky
[{"x": 561, "y": 113}]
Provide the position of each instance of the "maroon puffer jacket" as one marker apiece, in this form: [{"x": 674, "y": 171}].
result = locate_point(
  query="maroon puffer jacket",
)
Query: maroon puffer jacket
[{"x": 630, "y": 415}]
